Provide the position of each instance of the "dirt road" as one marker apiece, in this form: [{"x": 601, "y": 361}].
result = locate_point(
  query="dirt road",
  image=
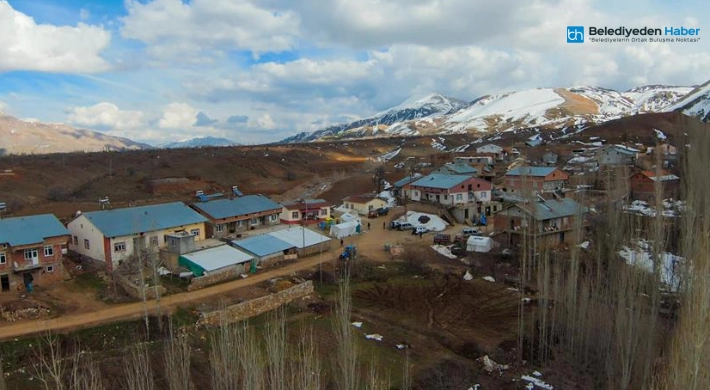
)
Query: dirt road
[{"x": 135, "y": 310}]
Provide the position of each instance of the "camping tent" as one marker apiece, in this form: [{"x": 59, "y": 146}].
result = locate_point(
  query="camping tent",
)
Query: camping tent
[
  {"x": 479, "y": 244},
  {"x": 345, "y": 229},
  {"x": 347, "y": 217}
]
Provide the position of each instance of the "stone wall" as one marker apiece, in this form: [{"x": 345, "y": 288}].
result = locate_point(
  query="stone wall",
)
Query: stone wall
[
  {"x": 134, "y": 290},
  {"x": 254, "y": 307},
  {"x": 228, "y": 274}
]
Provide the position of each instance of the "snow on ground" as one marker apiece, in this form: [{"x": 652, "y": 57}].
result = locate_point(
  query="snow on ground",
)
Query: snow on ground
[
  {"x": 642, "y": 258},
  {"x": 460, "y": 149},
  {"x": 660, "y": 135},
  {"x": 536, "y": 383},
  {"x": 489, "y": 279},
  {"x": 386, "y": 185},
  {"x": 374, "y": 336},
  {"x": 357, "y": 324},
  {"x": 436, "y": 144},
  {"x": 389, "y": 155},
  {"x": 671, "y": 208},
  {"x": 387, "y": 195},
  {"x": 435, "y": 224},
  {"x": 579, "y": 160},
  {"x": 584, "y": 245},
  {"x": 444, "y": 250}
]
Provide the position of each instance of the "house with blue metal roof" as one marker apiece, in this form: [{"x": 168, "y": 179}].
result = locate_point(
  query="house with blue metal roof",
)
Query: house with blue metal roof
[
  {"x": 549, "y": 221},
  {"x": 231, "y": 216},
  {"x": 31, "y": 250},
  {"x": 114, "y": 235},
  {"x": 535, "y": 180},
  {"x": 456, "y": 168}
]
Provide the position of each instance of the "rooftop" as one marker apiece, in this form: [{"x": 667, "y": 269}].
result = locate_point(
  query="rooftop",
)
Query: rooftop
[
  {"x": 31, "y": 229},
  {"x": 437, "y": 180},
  {"x": 218, "y": 257},
  {"x": 531, "y": 171},
  {"x": 263, "y": 245},
  {"x": 664, "y": 175},
  {"x": 226, "y": 208},
  {"x": 459, "y": 168},
  {"x": 134, "y": 220},
  {"x": 360, "y": 198},
  {"x": 308, "y": 203},
  {"x": 550, "y": 209}
]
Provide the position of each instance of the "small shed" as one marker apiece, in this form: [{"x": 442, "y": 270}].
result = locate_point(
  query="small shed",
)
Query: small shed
[
  {"x": 264, "y": 247},
  {"x": 479, "y": 244},
  {"x": 214, "y": 260}
]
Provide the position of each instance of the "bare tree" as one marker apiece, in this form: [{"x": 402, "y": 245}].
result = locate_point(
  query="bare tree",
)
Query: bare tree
[
  {"x": 305, "y": 366},
  {"x": 137, "y": 371},
  {"x": 276, "y": 350},
  {"x": 51, "y": 366},
  {"x": 176, "y": 355},
  {"x": 346, "y": 378}
]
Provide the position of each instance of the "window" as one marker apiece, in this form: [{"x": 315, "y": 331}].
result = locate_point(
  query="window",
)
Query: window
[
  {"x": 119, "y": 247},
  {"x": 324, "y": 212},
  {"x": 195, "y": 232},
  {"x": 3, "y": 259},
  {"x": 86, "y": 244},
  {"x": 76, "y": 240},
  {"x": 219, "y": 228},
  {"x": 240, "y": 223},
  {"x": 254, "y": 221},
  {"x": 50, "y": 268},
  {"x": 483, "y": 195},
  {"x": 294, "y": 214},
  {"x": 48, "y": 251},
  {"x": 154, "y": 241},
  {"x": 459, "y": 196},
  {"x": 31, "y": 254},
  {"x": 274, "y": 217}
]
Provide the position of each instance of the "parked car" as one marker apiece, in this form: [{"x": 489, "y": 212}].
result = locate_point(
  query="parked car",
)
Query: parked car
[
  {"x": 420, "y": 230},
  {"x": 383, "y": 211},
  {"x": 405, "y": 226},
  {"x": 373, "y": 214},
  {"x": 458, "y": 251},
  {"x": 395, "y": 225},
  {"x": 469, "y": 231}
]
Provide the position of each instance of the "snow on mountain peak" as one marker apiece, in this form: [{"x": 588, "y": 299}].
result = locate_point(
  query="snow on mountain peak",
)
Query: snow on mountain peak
[
  {"x": 695, "y": 103},
  {"x": 433, "y": 102}
]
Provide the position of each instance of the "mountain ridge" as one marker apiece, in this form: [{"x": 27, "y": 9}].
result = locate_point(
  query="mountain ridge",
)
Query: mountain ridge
[{"x": 577, "y": 106}]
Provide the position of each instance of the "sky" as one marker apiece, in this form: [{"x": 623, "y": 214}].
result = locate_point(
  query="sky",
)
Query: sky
[{"x": 257, "y": 71}]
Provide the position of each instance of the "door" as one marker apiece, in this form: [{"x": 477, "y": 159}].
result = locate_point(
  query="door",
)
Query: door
[
  {"x": 5, "y": 282},
  {"x": 27, "y": 279},
  {"x": 465, "y": 213}
]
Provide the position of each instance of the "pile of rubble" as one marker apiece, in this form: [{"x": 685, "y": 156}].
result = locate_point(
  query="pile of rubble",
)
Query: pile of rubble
[{"x": 30, "y": 313}]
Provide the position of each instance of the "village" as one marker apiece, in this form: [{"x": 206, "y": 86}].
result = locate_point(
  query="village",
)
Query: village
[{"x": 491, "y": 201}]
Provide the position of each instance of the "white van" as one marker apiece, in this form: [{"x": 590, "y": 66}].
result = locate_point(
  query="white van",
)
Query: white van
[{"x": 469, "y": 231}]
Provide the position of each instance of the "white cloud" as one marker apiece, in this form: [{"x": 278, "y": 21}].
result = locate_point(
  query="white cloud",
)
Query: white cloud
[
  {"x": 173, "y": 28},
  {"x": 106, "y": 116},
  {"x": 263, "y": 122},
  {"x": 26, "y": 45},
  {"x": 84, "y": 14},
  {"x": 178, "y": 116}
]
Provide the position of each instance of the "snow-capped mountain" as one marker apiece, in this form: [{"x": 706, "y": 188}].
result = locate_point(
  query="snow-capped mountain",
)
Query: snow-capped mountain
[
  {"x": 540, "y": 108},
  {"x": 402, "y": 119},
  {"x": 654, "y": 98},
  {"x": 696, "y": 103},
  {"x": 199, "y": 142}
]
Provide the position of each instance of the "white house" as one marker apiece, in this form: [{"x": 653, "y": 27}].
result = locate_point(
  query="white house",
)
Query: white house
[
  {"x": 498, "y": 151},
  {"x": 112, "y": 236}
]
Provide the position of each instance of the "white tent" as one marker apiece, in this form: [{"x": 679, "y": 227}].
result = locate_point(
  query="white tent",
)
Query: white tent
[
  {"x": 479, "y": 244},
  {"x": 345, "y": 229},
  {"x": 347, "y": 217}
]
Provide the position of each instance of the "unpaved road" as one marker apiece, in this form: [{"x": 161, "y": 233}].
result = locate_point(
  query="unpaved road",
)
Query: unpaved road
[
  {"x": 135, "y": 310},
  {"x": 370, "y": 243}
]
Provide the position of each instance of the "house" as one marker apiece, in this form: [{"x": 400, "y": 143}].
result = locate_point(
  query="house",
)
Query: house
[
  {"x": 548, "y": 222},
  {"x": 222, "y": 259},
  {"x": 616, "y": 155},
  {"x": 230, "y": 216},
  {"x": 463, "y": 196},
  {"x": 112, "y": 236},
  {"x": 492, "y": 149},
  {"x": 401, "y": 188},
  {"x": 363, "y": 204},
  {"x": 550, "y": 158},
  {"x": 307, "y": 211},
  {"x": 488, "y": 160},
  {"x": 643, "y": 185},
  {"x": 535, "y": 179},
  {"x": 456, "y": 168},
  {"x": 31, "y": 250}
]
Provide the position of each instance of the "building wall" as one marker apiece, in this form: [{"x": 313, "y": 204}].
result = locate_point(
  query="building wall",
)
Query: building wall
[
  {"x": 49, "y": 270},
  {"x": 613, "y": 156},
  {"x": 83, "y": 229},
  {"x": 364, "y": 208},
  {"x": 287, "y": 216},
  {"x": 103, "y": 250},
  {"x": 241, "y": 224}
]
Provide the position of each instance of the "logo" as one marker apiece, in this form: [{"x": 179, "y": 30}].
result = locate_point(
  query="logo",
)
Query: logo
[{"x": 575, "y": 34}]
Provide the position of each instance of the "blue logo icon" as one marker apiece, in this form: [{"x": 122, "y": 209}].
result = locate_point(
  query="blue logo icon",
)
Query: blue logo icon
[{"x": 575, "y": 34}]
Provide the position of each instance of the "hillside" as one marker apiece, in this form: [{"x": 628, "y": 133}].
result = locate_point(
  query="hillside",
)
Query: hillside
[
  {"x": 18, "y": 137},
  {"x": 696, "y": 103},
  {"x": 543, "y": 108},
  {"x": 199, "y": 142}
]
